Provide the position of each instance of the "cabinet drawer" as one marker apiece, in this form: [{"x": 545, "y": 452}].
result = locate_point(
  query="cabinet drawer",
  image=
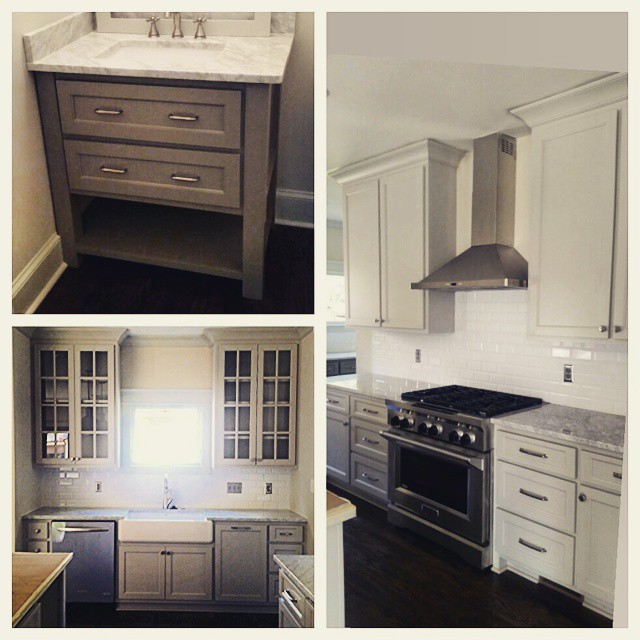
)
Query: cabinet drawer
[
  {"x": 547, "y": 500},
  {"x": 174, "y": 175},
  {"x": 285, "y": 533},
  {"x": 369, "y": 409},
  {"x": 601, "y": 471},
  {"x": 35, "y": 546},
  {"x": 276, "y": 549},
  {"x": 337, "y": 402},
  {"x": 37, "y": 530},
  {"x": 168, "y": 115},
  {"x": 536, "y": 454},
  {"x": 366, "y": 440},
  {"x": 536, "y": 549},
  {"x": 369, "y": 476},
  {"x": 294, "y": 598}
]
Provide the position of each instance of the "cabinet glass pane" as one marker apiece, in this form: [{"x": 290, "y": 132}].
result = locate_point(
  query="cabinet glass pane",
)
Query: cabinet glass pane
[
  {"x": 46, "y": 363},
  {"x": 55, "y": 445},
  {"x": 48, "y": 417},
  {"x": 245, "y": 391},
  {"x": 102, "y": 445},
  {"x": 86, "y": 391},
  {"x": 284, "y": 363},
  {"x": 283, "y": 391},
  {"x": 283, "y": 418},
  {"x": 102, "y": 364},
  {"x": 230, "y": 364},
  {"x": 62, "y": 418},
  {"x": 62, "y": 364},
  {"x": 86, "y": 363},
  {"x": 269, "y": 391},
  {"x": 102, "y": 391},
  {"x": 267, "y": 448},
  {"x": 86, "y": 442},
  {"x": 86, "y": 418},
  {"x": 62, "y": 391},
  {"x": 46, "y": 391},
  {"x": 229, "y": 448},
  {"x": 244, "y": 370},
  {"x": 270, "y": 363},
  {"x": 243, "y": 418},
  {"x": 102, "y": 418},
  {"x": 229, "y": 391},
  {"x": 243, "y": 448},
  {"x": 283, "y": 448},
  {"x": 229, "y": 419},
  {"x": 268, "y": 418}
]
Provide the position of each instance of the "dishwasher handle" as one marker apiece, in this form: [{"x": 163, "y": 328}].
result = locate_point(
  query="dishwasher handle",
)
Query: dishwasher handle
[{"x": 83, "y": 530}]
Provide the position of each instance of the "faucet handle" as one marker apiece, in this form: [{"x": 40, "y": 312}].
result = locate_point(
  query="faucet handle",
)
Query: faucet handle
[
  {"x": 153, "y": 27},
  {"x": 200, "y": 28}
]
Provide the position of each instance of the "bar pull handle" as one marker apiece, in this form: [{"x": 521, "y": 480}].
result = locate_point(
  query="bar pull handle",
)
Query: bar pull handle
[
  {"x": 536, "y": 496},
  {"x": 285, "y": 534},
  {"x": 109, "y": 112},
  {"x": 117, "y": 170},
  {"x": 370, "y": 478},
  {"x": 370, "y": 411},
  {"x": 535, "y": 454},
  {"x": 329, "y": 401},
  {"x": 240, "y": 528},
  {"x": 83, "y": 530},
  {"x": 183, "y": 118},
  {"x": 178, "y": 178},
  {"x": 286, "y": 595},
  {"x": 365, "y": 439},
  {"x": 530, "y": 545},
  {"x": 617, "y": 475}
]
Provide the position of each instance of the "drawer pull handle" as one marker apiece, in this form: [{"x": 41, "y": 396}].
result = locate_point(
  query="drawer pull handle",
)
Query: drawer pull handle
[
  {"x": 369, "y": 478},
  {"x": 371, "y": 411},
  {"x": 112, "y": 170},
  {"x": 617, "y": 475},
  {"x": 36, "y": 550},
  {"x": 38, "y": 530},
  {"x": 185, "y": 178},
  {"x": 329, "y": 401},
  {"x": 241, "y": 528},
  {"x": 109, "y": 112},
  {"x": 535, "y": 454},
  {"x": 177, "y": 116},
  {"x": 292, "y": 602},
  {"x": 285, "y": 534},
  {"x": 530, "y": 545},
  {"x": 365, "y": 439},
  {"x": 536, "y": 496},
  {"x": 345, "y": 424},
  {"x": 602, "y": 328}
]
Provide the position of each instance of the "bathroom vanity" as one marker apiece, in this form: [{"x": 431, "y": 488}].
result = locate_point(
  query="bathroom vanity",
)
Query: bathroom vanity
[{"x": 161, "y": 150}]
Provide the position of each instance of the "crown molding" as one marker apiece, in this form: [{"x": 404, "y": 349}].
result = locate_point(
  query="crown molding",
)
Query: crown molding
[
  {"x": 79, "y": 335},
  {"x": 257, "y": 334}
]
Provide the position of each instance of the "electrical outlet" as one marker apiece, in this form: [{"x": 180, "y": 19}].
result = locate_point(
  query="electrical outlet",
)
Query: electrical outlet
[
  {"x": 268, "y": 488},
  {"x": 98, "y": 486},
  {"x": 418, "y": 355},
  {"x": 234, "y": 487},
  {"x": 568, "y": 373}
]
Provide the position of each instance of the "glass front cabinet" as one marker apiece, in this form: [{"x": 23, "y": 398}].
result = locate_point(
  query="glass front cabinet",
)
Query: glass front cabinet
[
  {"x": 75, "y": 404},
  {"x": 256, "y": 404}
]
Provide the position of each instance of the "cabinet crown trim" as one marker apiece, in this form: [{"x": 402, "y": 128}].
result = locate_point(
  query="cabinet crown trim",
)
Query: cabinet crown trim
[
  {"x": 78, "y": 335},
  {"x": 600, "y": 93},
  {"x": 415, "y": 153}
]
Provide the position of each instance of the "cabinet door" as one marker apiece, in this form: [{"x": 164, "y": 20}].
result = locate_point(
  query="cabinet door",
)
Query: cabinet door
[
  {"x": 362, "y": 254},
  {"x": 402, "y": 242},
  {"x": 95, "y": 404},
  {"x": 54, "y": 405},
  {"x": 597, "y": 543},
  {"x": 277, "y": 377},
  {"x": 574, "y": 184},
  {"x": 189, "y": 572},
  {"x": 236, "y": 397},
  {"x": 141, "y": 572},
  {"x": 241, "y": 563},
  {"x": 338, "y": 447}
]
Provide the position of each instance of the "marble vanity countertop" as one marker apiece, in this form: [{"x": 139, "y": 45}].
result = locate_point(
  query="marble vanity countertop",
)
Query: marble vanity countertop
[
  {"x": 232, "y": 59},
  {"x": 298, "y": 569},
  {"x": 589, "y": 428},
  {"x": 377, "y": 386}
]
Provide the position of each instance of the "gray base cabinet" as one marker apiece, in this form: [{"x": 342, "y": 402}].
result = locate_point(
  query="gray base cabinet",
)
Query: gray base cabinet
[{"x": 338, "y": 447}]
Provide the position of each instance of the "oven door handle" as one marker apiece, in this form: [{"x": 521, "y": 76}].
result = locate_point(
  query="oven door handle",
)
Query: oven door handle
[{"x": 477, "y": 463}]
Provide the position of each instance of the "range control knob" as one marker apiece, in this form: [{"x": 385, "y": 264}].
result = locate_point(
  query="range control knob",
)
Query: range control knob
[
  {"x": 423, "y": 427},
  {"x": 455, "y": 435},
  {"x": 395, "y": 421},
  {"x": 434, "y": 430},
  {"x": 467, "y": 439},
  {"x": 406, "y": 422}
]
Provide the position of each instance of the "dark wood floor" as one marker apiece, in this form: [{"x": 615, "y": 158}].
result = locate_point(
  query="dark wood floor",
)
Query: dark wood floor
[
  {"x": 395, "y": 578},
  {"x": 101, "y": 285},
  {"x": 105, "y": 615}
]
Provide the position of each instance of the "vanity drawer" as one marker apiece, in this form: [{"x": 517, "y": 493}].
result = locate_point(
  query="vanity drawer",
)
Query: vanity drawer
[
  {"x": 168, "y": 115},
  {"x": 369, "y": 409},
  {"x": 601, "y": 471},
  {"x": 35, "y": 546},
  {"x": 37, "y": 530},
  {"x": 276, "y": 549},
  {"x": 369, "y": 476},
  {"x": 366, "y": 440},
  {"x": 174, "y": 175},
  {"x": 285, "y": 533}
]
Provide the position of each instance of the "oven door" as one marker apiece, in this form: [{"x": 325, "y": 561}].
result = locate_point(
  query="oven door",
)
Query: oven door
[{"x": 442, "y": 485}]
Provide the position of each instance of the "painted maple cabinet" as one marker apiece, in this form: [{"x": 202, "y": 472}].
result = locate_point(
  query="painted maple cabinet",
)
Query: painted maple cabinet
[
  {"x": 399, "y": 225},
  {"x": 577, "y": 267}
]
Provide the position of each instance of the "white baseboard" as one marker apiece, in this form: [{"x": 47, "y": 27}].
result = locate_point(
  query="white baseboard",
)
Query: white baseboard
[
  {"x": 294, "y": 208},
  {"x": 38, "y": 277}
]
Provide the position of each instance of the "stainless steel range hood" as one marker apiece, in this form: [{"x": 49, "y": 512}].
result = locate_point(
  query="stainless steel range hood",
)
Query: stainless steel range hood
[{"x": 491, "y": 262}]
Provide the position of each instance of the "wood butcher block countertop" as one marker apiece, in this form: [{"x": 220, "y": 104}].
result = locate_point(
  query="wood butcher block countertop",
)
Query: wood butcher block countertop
[
  {"x": 33, "y": 573},
  {"x": 338, "y": 509}
]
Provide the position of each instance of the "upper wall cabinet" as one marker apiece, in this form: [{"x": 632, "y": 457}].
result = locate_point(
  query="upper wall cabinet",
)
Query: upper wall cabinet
[
  {"x": 399, "y": 225},
  {"x": 75, "y": 397},
  {"x": 577, "y": 269}
]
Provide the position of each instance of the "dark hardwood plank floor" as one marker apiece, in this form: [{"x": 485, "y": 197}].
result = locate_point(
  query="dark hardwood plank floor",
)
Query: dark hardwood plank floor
[
  {"x": 395, "y": 578},
  {"x": 102, "y": 285},
  {"x": 105, "y": 615}
]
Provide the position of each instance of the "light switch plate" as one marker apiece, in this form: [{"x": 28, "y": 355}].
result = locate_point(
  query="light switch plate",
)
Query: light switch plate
[{"x": 234, "y": 487}]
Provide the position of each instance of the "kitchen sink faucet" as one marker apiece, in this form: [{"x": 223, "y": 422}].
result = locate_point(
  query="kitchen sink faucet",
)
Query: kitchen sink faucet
[
  {"x": 167, "y": 500},
  {"x": 177, "y": 23}
]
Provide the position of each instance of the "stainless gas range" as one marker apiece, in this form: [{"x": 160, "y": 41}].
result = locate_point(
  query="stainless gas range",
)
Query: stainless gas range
[{"x": 440, "y": 443}]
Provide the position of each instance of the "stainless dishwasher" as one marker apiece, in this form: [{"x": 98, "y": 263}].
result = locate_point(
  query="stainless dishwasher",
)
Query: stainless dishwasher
[{"x": 90, "y": 576}]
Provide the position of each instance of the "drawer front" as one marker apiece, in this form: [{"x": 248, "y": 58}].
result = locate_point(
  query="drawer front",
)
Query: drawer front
[
  {"x": 168, "y": 115},
  {"x": 536, "y": 549},
  {"x": 536, "y": 454},
  {"x": 286, "y": 533},
  {"x": 601, "y": 471},
  {"x": 366, "y": 440},
  {"x": 369, "y": 409},
  {"x": 278, "y": 549},
  {"x": 369, "y": 476},
  {"x": 174, "y": 175},
  {"x": 35, "y": 546},
  {"x": 37, "y": 530},
  {"x": 293, "y": 597},
  {"x": 338, "y": 402},
  {"x": 547, "y": 500}
]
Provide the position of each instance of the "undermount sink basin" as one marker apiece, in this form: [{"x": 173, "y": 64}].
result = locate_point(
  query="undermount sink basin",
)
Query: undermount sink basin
[
  {"x": 172, "y": 525},
  {"x": 161, "y": 54}
]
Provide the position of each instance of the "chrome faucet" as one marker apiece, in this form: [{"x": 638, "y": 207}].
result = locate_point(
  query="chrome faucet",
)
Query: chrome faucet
[
  {"x": 167, "y": 500},
  {"x": 200, "y": 28},
  {"x": 177, "y": 23}
]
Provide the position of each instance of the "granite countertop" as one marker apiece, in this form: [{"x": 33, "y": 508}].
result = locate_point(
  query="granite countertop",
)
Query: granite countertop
[
  {"x": 118, "y": 513},
  {"x": 256, "y": 59},
  {"x": 341, "y": 356},
  {"x": 299, "y": 569},
  {"x": 377, "y": 386},
  {"x": 579, "y": 426}
]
